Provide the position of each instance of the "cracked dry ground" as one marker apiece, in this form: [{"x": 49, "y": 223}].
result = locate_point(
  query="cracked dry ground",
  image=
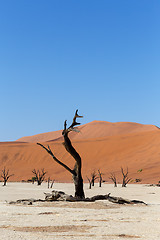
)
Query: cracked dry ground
[{"x": 82, "y": 220}]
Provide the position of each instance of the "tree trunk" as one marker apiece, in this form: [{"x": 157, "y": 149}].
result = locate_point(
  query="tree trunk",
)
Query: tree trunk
[
  {"x": 93, "y": 182},
  {"x": 77, "y": 176},
  {"x": 78, "y": 182},
  {"x": 39, "y": 183},
  {"x": 100, "y": 183},
  {"x": 48, "y": 181},
  {"x": 123, "y": 185},
  {"x": 5, "y": 182},
  {"x": 52, "y": 184},
  {"x": 100, "y": 180}
]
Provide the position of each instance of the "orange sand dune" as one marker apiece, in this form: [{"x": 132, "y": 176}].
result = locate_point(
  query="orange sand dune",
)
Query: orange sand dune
[
  {"x": 93, "y": 130},
  {"x": 42, "y": 137},
  {"x": 131, "y": 145}
]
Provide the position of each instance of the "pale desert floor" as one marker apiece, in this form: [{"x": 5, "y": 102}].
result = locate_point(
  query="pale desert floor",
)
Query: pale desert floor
[{"x": 80, "y": 220}]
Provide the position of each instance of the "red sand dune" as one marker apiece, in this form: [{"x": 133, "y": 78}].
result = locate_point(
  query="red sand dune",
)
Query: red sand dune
[
  {"x": 102, "y": 145},
  {"x": 95, "y": 129}
]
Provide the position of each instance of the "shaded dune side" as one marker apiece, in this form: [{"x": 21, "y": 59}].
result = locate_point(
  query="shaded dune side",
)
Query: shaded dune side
[
  {"x": 135, "y": 151},
  {"x": 42, "y": 137}
]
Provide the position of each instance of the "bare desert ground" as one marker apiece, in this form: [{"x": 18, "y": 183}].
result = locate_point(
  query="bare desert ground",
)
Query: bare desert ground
[{"x": 79, "y": 220}]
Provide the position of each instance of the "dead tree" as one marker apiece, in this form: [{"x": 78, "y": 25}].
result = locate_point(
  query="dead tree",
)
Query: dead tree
[
  {"x": 39, "y": 176},
  {"x": 51, "y": 182},
  {"x": 76, "y": 171},
  {"x": 90, "y": 182},
  {"x": 125, "y": 180},
  {"x": 48, "y": 181},
  {"x": 5, "y": 175},
  {"x": 100, "y": 177},
  {"x": 113, "y": 178},
  {"x": 94, "y": 177}
]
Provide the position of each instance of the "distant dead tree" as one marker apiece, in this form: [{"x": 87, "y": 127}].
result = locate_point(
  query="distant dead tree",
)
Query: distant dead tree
[
  {"x": 39, "y": 175},
  {"x": 113, "y": 178},
  {"x": 90, "y": 182},
  {"x": 93, "y": 177},
  {"x": 125, "y": 180},
  {"x": 76, "y": 171},
  {"x": 100, "y": 177},
  {"x": 52, "y": 181},
  {"x": 48, "y": 181},
  {"x": 5, "y": 175}
]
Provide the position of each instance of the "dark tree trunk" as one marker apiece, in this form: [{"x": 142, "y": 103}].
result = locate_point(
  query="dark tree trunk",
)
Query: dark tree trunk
[
  {"x": 93, "y": 182},
  {"x": 90, "y": 183},
  {"x": 93, "y": 177},
  {"x": 124, "y": 184},
  {"x": 48, "y": 181},
  {"x": 76, "y": 176},
  {"x": 100, "y": 177},
  {"x": 100, "y": 183},
  {"x": 78, "y": 182},
  {"x": 52, "y": 184},
  {"x": 113, "y": 178},
  {"x": 5, "y": 182}
]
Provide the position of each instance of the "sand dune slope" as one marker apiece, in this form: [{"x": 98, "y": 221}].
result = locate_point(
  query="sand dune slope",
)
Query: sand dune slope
[
  {"x": 95, "y": 129},
  {"x": 135, "y": 149}
]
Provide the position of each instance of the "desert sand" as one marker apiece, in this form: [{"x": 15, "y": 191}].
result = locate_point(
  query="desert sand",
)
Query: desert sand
[
  {"x": 95, "y": 129},
  {"x": 79, "y": 220},
  {"x": 102, "y": 145}
]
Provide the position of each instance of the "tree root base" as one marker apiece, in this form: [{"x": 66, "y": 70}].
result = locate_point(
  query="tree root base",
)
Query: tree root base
[{"x": 61, "y": 196}]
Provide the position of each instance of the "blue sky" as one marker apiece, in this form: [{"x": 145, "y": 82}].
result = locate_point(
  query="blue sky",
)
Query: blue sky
[{"x": 101, "y": 57}]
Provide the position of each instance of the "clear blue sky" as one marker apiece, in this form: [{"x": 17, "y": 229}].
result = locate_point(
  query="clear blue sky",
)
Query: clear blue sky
[{"x": 102, "y": 57}]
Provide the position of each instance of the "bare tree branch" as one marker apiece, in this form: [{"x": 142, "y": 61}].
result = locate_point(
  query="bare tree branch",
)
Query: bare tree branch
[
  {"x": 74, "y": 123},
  {"x": 56, "y": 159}
]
